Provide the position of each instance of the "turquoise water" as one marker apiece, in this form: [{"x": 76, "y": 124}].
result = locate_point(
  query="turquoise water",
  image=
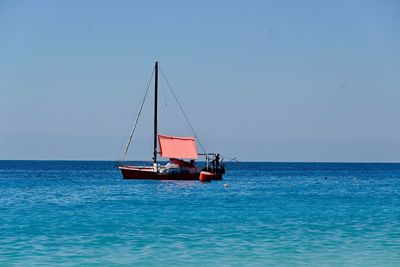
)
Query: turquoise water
[{"x": 315, "y": 214}]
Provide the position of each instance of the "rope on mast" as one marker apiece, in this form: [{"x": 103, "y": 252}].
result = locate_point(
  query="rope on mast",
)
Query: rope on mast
[
  {"x": 183, "y": 112},
  {"x": 167, "y": 107},
  {"x": 137, "y": 118}
]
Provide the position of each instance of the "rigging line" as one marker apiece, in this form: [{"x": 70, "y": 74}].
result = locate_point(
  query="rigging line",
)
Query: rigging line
[
  {"x": 179, "y": 118},
  {"x": 183, "y": 112},
  {"x": 161, "y": 86},
  {"x": 137, "y": 118},
  {"x": 169, "y": 108}
]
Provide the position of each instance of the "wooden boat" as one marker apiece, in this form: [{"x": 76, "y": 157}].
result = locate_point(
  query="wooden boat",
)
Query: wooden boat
[{"x": 177, "y": 149}]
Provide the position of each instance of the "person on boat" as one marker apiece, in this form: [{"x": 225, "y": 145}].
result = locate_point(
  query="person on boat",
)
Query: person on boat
[
  {"x": 215, "y": 162},
  {"x": 218, "y": 166}
]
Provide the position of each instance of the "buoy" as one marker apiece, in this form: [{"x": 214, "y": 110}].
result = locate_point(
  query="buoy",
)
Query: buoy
[{"x": 226, "y": 185}]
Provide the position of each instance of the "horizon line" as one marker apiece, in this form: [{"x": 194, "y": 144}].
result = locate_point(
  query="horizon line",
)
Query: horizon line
[{"x": 238, "y": 161}]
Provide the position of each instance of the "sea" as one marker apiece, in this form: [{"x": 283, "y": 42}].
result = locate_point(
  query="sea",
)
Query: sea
[{"x": 82, "y": 213}]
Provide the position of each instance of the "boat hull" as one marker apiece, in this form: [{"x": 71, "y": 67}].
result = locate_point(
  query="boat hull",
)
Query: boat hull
[
  {"x": 206, "y": 176},
  {"x": 147, "y": 173}
]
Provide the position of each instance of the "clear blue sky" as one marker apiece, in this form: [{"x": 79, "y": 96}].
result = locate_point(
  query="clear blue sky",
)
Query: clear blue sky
[{"x": 260, "y": 80}]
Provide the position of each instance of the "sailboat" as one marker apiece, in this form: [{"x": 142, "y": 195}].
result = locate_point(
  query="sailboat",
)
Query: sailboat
[{"x": 178, "y": 149}]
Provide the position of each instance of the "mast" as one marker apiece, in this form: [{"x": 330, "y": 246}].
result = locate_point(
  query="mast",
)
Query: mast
[{"x": 155, "y": 112}]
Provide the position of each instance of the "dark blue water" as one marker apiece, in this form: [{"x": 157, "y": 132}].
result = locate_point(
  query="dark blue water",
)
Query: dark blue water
[{"x": 313, "y": 214}]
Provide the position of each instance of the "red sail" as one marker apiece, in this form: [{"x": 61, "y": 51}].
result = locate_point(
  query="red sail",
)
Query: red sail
[{"x": 177, "y": 147}]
